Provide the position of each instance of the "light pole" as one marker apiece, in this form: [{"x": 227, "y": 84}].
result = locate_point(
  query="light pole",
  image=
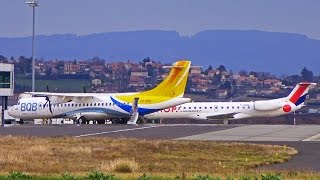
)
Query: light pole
[{"x": 33, "y": 4}]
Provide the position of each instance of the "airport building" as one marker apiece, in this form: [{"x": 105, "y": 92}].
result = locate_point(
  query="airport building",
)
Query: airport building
[{"x": 6, "y": 87}]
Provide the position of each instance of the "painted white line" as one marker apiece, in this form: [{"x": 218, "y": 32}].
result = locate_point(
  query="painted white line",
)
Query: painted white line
[
  {"x": 121, "y": 130},
  {"x": 146, "y": 127},
  {"x": 10, "y": 125},
  {"x": 312, "y": 138},
  {"x": 197, "y": 125}
]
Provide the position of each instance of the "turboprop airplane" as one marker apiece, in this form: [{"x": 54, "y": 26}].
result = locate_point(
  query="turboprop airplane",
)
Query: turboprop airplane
[
  {"x": 101, "y": 106},
  {"x": 237, "y": 110}
]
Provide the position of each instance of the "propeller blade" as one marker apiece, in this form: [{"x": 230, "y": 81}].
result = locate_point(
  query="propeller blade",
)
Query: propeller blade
[
  {"x": 84, "y": 88},
  {"x": 49, "y": 104},
  {"x": 50, "y": 107},
  {"x": 48, "y": 88},
  {"x": 44, "y": 105}
]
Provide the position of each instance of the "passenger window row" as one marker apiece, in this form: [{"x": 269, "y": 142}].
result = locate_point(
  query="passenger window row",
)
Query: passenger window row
[
  {"x": 216, "y": 107},
  {"x": 82, "y": 104}
]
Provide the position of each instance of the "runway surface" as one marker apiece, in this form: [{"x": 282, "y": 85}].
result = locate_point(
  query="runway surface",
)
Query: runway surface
[
  {"x": 305, "y": 138},
  {"x": 262, "y": 133},
  {"x": 130, "y": 131}
]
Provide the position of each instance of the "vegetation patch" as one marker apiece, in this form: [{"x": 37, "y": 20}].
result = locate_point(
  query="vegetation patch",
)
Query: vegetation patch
[
  {"x": 61, "y": 85},
  {"x": 98, "y": 175},
  {"x": 78, "y": 156},
  {"x": 121, "y": 166},
  {"x": 17, "y": 175}
]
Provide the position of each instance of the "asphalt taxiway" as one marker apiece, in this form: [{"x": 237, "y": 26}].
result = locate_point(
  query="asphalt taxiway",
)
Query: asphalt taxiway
[
  {"x": 129, "y": 131},
  {"x": 262, "y": 133},
  {"x": 305, "y": 138}
]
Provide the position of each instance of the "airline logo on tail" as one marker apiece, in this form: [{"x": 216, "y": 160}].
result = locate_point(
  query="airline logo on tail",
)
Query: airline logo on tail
[{"x": 299, "y": 93}]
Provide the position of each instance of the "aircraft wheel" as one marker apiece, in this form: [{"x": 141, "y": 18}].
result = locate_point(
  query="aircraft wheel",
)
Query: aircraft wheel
[
  {"x": 21, "y": 121},
  {"x": 81, "y": 120},
  {"x": 100, "y": 121}
]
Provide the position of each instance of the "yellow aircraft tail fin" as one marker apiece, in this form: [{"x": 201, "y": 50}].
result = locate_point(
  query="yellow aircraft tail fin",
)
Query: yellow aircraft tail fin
[{"x": 175, "y": 83}]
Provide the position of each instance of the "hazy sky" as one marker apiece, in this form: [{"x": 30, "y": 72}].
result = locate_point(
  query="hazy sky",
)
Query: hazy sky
[{"x": 185, "y": 16}]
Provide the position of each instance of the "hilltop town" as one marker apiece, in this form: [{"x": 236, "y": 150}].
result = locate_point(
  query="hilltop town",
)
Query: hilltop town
[{"x": 100, "y": 76}]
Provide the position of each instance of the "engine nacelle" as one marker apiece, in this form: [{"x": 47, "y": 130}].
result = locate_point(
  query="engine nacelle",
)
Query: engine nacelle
[
  {"x": 24, "y": 95},
  {"x": 267, "y": 105},
  {"x": 57, "y": 100}
]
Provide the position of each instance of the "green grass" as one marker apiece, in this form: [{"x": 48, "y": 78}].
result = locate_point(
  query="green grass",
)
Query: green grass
[
  {"x": 271, "y": 175},
  {"x": 121, "y": 155},
  {"x": 61, "y": 85},
  {"x": 129, "y": 159}
]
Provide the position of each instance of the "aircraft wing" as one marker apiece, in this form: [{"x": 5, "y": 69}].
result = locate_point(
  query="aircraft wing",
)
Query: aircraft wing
[
  {"x": 65, "y": 97},
  {"x": 227, "y": 116}
]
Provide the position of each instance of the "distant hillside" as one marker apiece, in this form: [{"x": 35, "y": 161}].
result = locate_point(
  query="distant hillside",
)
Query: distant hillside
[{"x": 279, "y": 53}]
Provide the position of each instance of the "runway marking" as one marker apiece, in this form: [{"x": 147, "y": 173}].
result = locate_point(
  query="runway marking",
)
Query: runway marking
[
  {"x": 312, "y": 138},
  {"x": 121, "y": 130},
  {"x": 145, "y": 127}
]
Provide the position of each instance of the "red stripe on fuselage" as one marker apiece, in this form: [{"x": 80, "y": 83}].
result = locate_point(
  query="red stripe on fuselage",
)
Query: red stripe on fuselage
[{"x": 294, "y": 98}]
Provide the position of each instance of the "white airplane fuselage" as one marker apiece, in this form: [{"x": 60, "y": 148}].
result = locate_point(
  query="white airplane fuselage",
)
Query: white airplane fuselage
[
  {"x": 222, "y": 110},
  {"x": 103, "y": 108},
  {"x": 238, "y": 110},
  {"x": 95, "y": 106}
]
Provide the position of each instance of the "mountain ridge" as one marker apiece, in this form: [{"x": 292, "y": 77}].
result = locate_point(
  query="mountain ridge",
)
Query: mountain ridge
[{"x": 275, "y": 52}]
